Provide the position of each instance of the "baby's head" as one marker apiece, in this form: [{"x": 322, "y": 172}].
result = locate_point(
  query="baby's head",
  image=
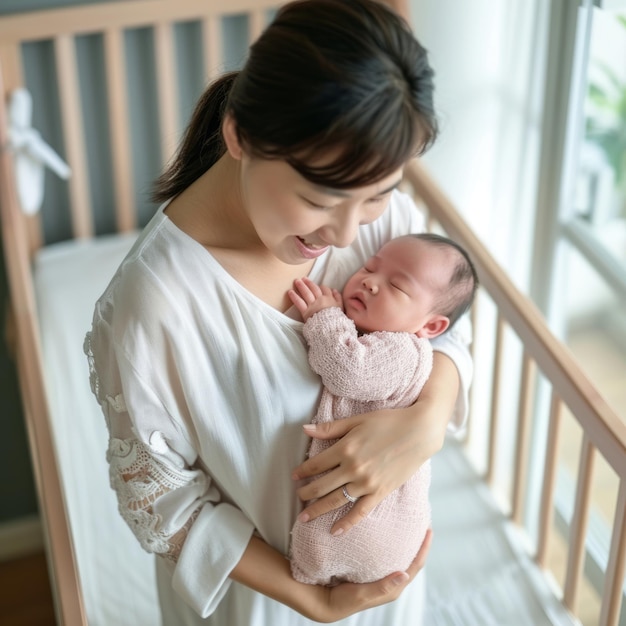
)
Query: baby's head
[{"x": 419, "y": 284}]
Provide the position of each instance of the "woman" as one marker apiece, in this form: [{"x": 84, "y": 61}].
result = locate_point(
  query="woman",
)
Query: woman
[{"x": 288, "y": 167}]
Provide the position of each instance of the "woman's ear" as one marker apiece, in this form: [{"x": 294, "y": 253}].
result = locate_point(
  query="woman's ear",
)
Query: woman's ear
[{"x": 231, "y": 137}]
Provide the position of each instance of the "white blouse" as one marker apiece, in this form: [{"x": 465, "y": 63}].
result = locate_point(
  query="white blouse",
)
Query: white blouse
[{"x": 205, "y": 388}]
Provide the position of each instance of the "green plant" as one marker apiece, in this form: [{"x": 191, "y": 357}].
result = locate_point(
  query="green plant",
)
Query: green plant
[{"x": 607, "y": 129}]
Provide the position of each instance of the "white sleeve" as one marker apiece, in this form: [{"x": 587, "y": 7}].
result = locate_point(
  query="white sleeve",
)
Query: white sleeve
[
  {"x": 171, "y": 504},
  {"x": 455, "y": 344}
]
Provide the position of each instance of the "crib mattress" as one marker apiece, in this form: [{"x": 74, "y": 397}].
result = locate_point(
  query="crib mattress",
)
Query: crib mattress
[
  {"x": 475, "y": 575},
  {"x": 117, "y": 576},
  {"x": 478, "y": 573}
]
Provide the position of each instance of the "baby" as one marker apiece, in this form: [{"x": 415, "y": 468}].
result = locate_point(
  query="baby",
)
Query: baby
[{"x": 370, "y": 344}]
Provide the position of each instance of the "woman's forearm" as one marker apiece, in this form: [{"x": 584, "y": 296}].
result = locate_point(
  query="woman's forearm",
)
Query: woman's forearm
[
  {"x": 379, "y": 451},
  {"x": 267, "y": 571},
  {"x": 436, "y": 401}
]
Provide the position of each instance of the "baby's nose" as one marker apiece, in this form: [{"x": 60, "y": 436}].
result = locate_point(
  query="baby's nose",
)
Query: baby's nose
[{"x": 371, "y": 286}]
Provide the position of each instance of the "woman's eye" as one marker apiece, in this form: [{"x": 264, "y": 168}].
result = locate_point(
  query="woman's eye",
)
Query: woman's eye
[
  {"x": 378, "y": 199},
  {"x": 315, "y": 205}
]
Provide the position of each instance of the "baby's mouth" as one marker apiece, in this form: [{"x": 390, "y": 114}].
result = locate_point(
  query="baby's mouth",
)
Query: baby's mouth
[{"x": 358, "y": 299}]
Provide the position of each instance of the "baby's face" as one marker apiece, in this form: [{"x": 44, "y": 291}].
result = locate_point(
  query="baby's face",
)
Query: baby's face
[{"x": 397, "y": 288}]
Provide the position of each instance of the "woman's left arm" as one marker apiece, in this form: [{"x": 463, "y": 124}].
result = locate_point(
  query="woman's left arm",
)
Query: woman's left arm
[{"x": 379, "y": 451}]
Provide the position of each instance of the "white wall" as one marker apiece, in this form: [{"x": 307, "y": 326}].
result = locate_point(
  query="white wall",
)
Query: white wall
[{"x": 488, "y": 58}]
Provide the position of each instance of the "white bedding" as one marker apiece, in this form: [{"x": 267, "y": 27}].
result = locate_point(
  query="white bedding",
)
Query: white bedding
[
  {"x": 474, "y": 575},
  {"x": 478, "y": 573},
  {"x": 117, "y": 576}
]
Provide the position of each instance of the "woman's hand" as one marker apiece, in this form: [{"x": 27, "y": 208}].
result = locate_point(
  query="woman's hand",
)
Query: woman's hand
[
  {"x": 377, "y": 452},
  {"x": 348, "y": 598},
  {"x": 267, "y": 571}
]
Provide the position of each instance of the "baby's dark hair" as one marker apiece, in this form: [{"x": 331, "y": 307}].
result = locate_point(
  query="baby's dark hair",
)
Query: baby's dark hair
[
  {"x": 327, "y": 78},
  {"x": 459, "y": 296}
]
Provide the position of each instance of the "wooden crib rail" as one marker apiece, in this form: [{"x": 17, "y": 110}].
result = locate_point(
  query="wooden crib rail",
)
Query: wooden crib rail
[
  {"x": 23, "y": 235},
  {"x": 603, "y": 431},
  {"x": 62, "y": 26},
  {"x": 23, "y": 314},
  {"x": 95, "y": 18}
]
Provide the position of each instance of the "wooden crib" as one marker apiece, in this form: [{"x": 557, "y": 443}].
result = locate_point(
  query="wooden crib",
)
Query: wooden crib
[
  {"x": 545, "y": 364},
  {"x": 59, "y": 260}
]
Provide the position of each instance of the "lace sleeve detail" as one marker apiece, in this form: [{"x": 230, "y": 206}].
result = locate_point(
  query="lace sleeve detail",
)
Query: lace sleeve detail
[{"x": 140, "y": 480}]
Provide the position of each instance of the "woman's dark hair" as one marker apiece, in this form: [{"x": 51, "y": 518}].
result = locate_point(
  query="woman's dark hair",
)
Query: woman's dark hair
[
  {"x": 463, "y": 283},
  {"x": 338, "y": 79}
]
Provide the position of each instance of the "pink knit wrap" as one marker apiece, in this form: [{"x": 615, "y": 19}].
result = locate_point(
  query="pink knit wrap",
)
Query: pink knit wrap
[{"x": 362, "y": 374}]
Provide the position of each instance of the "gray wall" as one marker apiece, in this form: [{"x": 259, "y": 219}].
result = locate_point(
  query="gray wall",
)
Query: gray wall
[{"x": 17, "y": 493}]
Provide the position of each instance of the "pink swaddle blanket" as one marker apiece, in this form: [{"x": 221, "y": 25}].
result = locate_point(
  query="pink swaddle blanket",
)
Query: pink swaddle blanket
[{"x": 363, "y": 374}]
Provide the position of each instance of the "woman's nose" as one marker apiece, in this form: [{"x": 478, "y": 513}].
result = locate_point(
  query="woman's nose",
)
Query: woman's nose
[{"x": 344, "y": 229}]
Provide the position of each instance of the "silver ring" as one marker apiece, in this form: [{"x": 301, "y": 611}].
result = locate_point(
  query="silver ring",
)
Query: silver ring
[{"x": 349, "y": 498}]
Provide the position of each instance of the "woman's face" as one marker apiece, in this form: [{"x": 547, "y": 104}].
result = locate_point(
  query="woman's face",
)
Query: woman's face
[{"x": 296, "y": 220}]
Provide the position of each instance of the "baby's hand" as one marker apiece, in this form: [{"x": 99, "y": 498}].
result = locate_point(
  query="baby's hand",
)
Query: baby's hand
[{"x": 310, "y": 298}]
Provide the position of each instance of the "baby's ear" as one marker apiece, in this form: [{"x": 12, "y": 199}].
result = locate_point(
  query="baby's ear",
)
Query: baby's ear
[{"x": 434, "y": 327}]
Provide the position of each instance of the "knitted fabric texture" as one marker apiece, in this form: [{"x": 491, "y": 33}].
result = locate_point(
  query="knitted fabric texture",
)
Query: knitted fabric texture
[{"x": 361, "y": 374}]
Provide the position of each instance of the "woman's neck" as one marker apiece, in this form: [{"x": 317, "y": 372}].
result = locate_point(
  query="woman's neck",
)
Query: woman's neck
[{"x": 211, "y": 211}]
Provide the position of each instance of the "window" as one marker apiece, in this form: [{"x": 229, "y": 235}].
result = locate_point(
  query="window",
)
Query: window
[
  {"x": 579, "y": 273},
  {"x": 532, "y": 99}
]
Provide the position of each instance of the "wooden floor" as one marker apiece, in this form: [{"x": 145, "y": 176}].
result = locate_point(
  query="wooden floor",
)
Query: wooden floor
[{"x": 25, "y": 597}]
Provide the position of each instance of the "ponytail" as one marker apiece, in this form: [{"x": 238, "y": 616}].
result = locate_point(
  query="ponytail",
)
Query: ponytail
[
  {"x": 202, "y": 145},
  {"x": 345, "y": 80}
]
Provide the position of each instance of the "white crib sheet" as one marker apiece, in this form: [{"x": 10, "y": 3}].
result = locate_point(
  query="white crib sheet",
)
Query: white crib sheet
[
  {"x": 477, "y": 573},
  {"x": 117, "y": 576}
]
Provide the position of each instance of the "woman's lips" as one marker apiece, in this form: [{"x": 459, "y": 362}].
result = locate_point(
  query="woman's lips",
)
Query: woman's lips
[{"x": 310, "y": 251}]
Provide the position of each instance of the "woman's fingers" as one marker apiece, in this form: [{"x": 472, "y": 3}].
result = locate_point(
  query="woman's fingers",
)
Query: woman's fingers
[
  {"x": 369, "y": 457},
  {"x": 345, "y": 598},
  {"x": 394, "y": 584},
  {"x": 329, "y": 458},
  {"x": 359, "y": 510}
]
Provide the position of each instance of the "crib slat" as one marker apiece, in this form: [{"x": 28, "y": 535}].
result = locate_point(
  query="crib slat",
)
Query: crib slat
[
  {"x": 473, "y": 313},
  {"x": 34, "y": 228},
  {"x": 614, "y": 578},
  {"x": 256, "y": 24},
  {"x": 606, "y": 429},
  {"x": 51, "y": 498},
  {"x": 47, "y": 23},
  {"x": 72, "y": 118},
  {"x": 212, "y": 41},
  {"x": 578, "y": 528},
  {"x": 520, "y": 471},
  {"x": 549, "y": 479},
  {"x": 495, "y": 399},
  {"x": 13, "y": 74},
  {"x": 119, "y": 128},
  {"x": 166, "y": 85}
]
